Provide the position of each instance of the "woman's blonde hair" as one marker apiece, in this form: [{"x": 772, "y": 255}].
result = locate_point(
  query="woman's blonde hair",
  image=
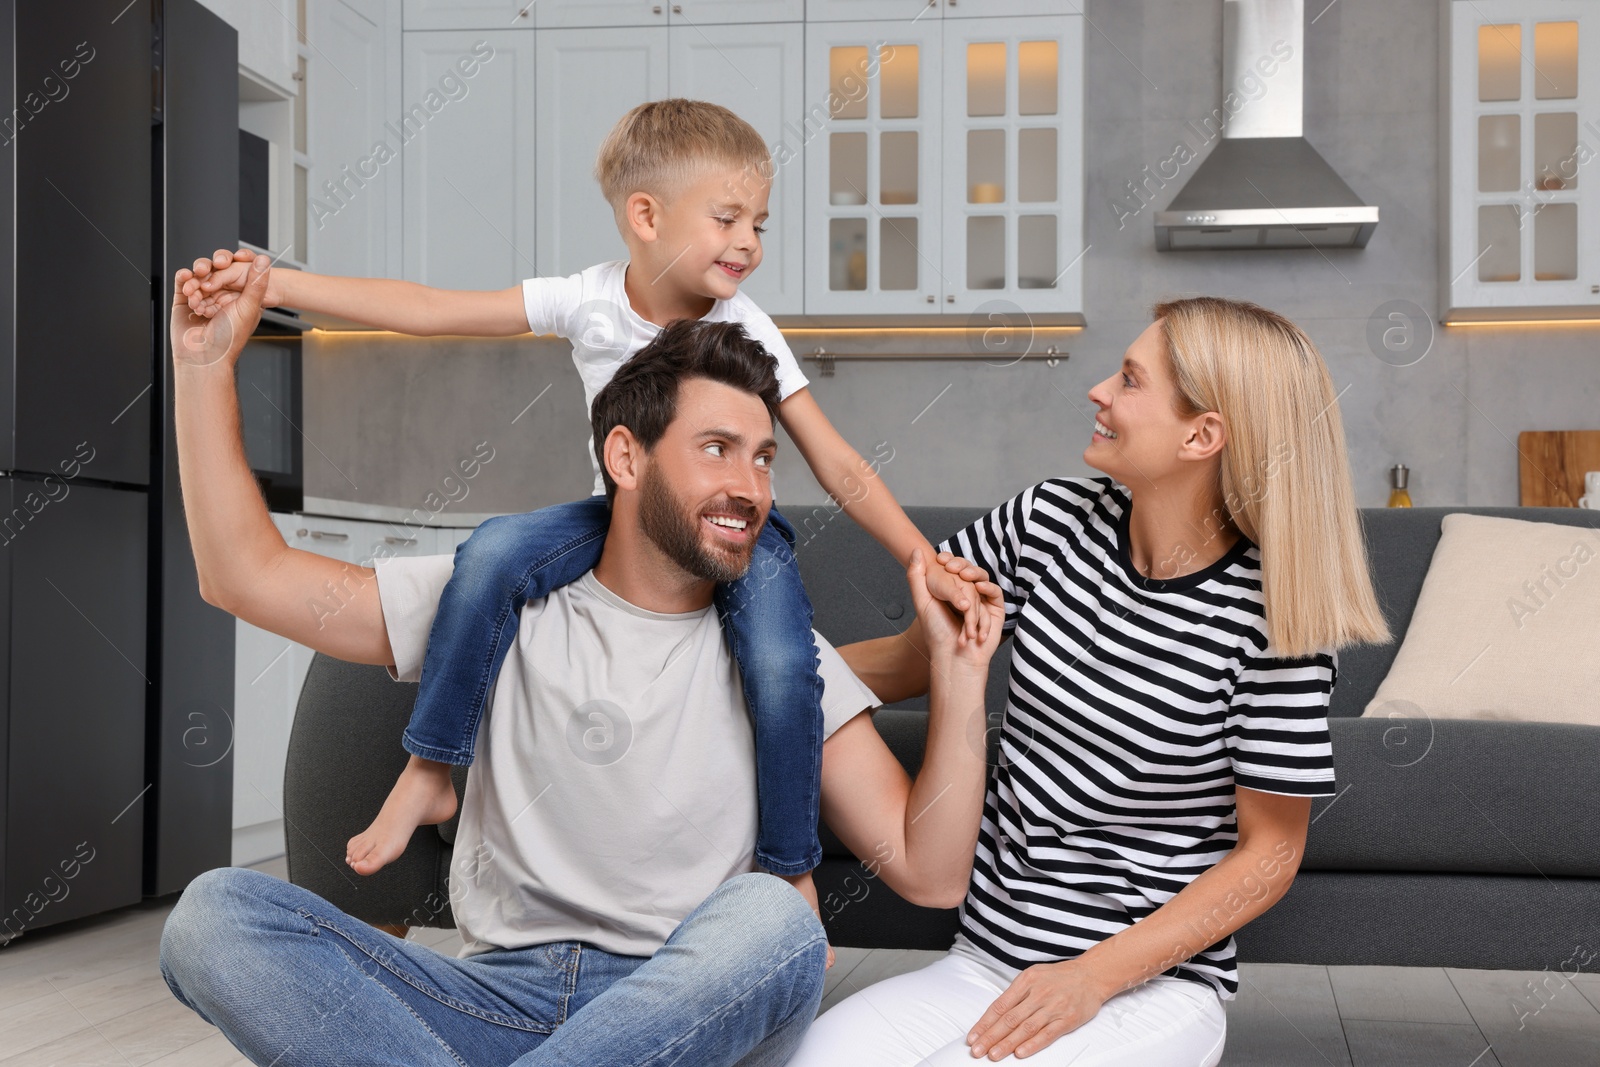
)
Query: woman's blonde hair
[
  {"x": 1284, "y": 473},
  {"x": 664, "y": 145}
]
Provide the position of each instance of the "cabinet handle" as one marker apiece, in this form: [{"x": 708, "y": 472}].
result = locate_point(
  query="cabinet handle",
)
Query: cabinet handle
[
  {"x": 322, "y": 535},
  {"x": 388, "y": 540},
  {"x": 677, "y": 9},
  {"x": 656, "y": 10},
  {"x": 930, "y": 298},
  {"x": 950, "y": 298}
]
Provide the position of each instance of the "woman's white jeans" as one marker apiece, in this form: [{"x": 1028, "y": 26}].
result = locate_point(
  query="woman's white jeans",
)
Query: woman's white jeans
[{"x": 921, "y": 1019}]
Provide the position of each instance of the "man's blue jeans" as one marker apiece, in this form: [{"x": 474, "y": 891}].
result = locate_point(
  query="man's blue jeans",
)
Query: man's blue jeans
[
  {"x": 290, "y": 979},
  {"x": 512, "y": 559}
]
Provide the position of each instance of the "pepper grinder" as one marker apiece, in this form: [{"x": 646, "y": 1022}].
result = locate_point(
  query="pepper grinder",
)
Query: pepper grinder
[{"x": 1398, "y": 496}]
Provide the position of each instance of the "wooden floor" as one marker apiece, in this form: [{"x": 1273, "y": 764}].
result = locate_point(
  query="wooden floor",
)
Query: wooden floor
[{"x": 89, "y": 993}]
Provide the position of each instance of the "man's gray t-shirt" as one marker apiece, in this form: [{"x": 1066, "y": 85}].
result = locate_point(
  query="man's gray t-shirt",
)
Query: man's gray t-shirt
[{"x": 613, "y": 786}]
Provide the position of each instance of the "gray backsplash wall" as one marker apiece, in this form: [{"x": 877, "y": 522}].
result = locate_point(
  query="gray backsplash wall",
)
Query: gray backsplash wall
[{"x": 388, "y": 418}]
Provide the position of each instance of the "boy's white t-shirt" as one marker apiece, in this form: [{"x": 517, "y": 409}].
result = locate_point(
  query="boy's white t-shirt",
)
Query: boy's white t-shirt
[{"x": 591, "y": 310}]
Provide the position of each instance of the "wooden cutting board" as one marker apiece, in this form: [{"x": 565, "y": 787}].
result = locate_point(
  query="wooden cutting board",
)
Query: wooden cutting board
[{"x": 1552, "y": 465}]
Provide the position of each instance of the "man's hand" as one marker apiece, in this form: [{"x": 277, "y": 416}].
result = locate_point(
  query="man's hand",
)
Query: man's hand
[
  {"x": 212, "y": 284},
  {"x": 946, "y": 631},
  {"x": 1044, "y": 1002},
  {"x": 199, "y": 340}
]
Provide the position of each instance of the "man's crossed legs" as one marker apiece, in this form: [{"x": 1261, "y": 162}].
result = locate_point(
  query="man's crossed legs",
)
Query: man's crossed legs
[{"x": 290, "y": 979}]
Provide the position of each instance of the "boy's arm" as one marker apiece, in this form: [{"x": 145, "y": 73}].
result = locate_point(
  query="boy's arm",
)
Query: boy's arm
[
  {"x": 855, "y": 484},
  {"x": 383, "y": 303},
  {"x": 242, "y": 562}
]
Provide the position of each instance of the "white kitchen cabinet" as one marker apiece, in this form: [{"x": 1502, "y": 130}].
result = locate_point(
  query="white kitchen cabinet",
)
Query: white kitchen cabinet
[
  {"x": 929, "y": 10},
  {"x": 581, "y": 14},
  {"x": 587, "y": 80},
  {"x": 270, "y": 670},
  {"x": 590, "y": 78},
  {"x": 950, "y": 175},
  {"x": 353, "y": 194},
  {"x": 271, "y": 87},
  {"x": 873, "y": 10},
  {"x": 450, "y": 538},
  {"x": 1013, "y": 164},
  {"x": 757, "y": 71},
  {"x": 382, "y": 540},
  {"x": 713, "y": 12},
  {"x": 898, "y": 190},
  {"x": 873, "y": 199},
  {"x": 1522, "y": 103},
  {"x": 981, "y": 9},
  {"x": 359, "y": 541},
  {"x": 262, "y": 711},
  {"x": 469, "y": 14},
  {"x": 267, "y": 39},
  {"x": 468, "y": 166}
]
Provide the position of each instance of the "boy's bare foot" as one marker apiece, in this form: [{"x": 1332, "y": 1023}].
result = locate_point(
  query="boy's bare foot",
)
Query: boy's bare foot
[
  {"x": 422, "y": 795},
  {"x": 808, "y": 889}
]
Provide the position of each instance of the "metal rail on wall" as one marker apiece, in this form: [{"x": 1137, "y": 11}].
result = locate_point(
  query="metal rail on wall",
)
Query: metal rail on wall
[{"x": 825, "y": 358}]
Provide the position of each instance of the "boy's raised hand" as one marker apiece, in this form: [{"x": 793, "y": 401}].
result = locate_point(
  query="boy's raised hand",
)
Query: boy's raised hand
[{"x": 216, "y": 282}]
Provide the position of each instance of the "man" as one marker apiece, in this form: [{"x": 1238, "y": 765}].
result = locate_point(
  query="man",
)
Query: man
[{"x": 608, "y": 896}]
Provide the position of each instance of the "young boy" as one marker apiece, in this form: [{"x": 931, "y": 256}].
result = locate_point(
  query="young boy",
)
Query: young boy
[{"x": 689, "y": 183}]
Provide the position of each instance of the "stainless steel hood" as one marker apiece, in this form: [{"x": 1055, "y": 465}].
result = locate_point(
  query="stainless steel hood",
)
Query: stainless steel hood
[{"x": 1264, "y": 186}]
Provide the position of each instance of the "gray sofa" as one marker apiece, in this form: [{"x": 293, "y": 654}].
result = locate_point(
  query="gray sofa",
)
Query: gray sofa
[{"x": 1450, "y": 842}]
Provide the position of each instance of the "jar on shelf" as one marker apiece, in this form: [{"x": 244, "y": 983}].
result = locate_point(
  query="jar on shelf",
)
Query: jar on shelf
[{"x": 1399, "y": 497}]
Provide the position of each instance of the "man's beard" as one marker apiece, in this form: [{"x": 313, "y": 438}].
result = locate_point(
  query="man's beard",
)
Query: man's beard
[{"x": 677, "y": 533}]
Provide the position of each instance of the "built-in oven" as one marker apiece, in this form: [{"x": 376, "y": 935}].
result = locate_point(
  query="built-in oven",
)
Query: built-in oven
[{"x": 270, "y": 408}]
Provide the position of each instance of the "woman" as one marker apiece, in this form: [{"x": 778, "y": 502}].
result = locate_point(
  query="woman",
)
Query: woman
[{"x": 1176, "y": 628}]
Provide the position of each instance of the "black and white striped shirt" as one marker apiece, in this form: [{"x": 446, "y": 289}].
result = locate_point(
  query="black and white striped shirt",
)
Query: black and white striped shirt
[{"x": 1135, "y": 708}]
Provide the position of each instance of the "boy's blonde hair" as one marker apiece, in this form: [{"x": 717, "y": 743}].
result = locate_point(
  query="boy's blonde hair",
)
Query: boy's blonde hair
[
  {"x": 660, "y": 147},
  {"x": 1285, "y": 478}
]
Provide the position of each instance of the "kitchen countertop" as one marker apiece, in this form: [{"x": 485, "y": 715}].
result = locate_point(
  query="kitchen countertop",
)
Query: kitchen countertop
[{"x": 349, "y": 509}]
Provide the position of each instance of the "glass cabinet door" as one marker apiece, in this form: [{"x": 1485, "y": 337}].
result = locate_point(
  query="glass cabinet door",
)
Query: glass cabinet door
[
  {"x": 871, "y": 132},
  {"x": 1524, "y": 94},
  {"x": 1013, "y": 192}
]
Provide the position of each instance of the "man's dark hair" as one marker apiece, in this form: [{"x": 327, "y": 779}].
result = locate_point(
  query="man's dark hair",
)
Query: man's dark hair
[{"x": 643, "y": 394}]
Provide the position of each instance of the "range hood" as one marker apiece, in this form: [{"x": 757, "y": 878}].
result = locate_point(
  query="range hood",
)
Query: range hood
[{"x": 1264, "y": 186}]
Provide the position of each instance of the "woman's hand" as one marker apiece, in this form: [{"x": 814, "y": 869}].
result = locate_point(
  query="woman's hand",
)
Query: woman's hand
[
  {"x": 1044, "y": 1002},
  {"x": 945, "y": 628},
  {"x": 954, "y": 580}
]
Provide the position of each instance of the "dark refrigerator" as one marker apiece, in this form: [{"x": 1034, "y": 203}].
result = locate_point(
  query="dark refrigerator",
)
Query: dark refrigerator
[{"x": 118, "y": 163}]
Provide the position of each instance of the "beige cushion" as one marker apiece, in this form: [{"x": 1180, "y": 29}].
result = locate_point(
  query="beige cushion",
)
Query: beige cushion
[{"x": 1507, "y": 627}]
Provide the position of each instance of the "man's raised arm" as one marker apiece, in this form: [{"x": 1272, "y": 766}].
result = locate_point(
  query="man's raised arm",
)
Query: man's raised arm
[
  {"x": 245, "y": 567},
  {"x": 920, "y": 835}
]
